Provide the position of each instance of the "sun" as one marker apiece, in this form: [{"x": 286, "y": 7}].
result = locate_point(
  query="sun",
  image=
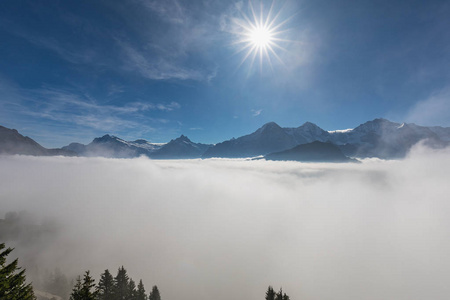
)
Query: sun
[
  {"x": 260, "y": 37},
  {"x": 259, "y": 34}
]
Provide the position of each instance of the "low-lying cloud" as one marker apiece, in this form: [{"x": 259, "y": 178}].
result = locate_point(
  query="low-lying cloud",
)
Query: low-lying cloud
[{"x": 215, "y": 229}]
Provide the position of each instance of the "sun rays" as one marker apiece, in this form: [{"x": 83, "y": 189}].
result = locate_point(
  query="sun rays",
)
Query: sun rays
[{"x": 260, "y": 35}]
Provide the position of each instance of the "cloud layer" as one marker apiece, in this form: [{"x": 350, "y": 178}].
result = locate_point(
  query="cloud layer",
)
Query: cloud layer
[{"x": 205, "y": 229}]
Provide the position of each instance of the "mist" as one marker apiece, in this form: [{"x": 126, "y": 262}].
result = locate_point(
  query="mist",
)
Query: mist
[{"x": 219, "y": 228}]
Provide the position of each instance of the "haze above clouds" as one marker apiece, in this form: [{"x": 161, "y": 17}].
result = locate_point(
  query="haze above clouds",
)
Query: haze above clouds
[{"x": 215, "y": 229}]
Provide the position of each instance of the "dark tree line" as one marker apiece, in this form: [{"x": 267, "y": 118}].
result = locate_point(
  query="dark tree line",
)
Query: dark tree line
[
  {"x": 120, "y": 287},
  {"x": 272, "y": 295},
  {"x": 13, "y": 284}
]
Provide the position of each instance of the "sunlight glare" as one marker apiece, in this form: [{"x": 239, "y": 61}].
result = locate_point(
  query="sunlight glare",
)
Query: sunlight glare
[
  {"x": 260, "y": 37},
  {"x": 259, "y": 34}
]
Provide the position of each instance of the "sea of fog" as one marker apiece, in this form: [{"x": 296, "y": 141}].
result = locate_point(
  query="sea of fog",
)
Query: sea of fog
[{"x": 226, "y": 229}]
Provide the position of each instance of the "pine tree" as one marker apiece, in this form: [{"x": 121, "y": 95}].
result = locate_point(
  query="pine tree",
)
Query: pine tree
[
  {"x": 154, "y": 295},
  {"x": 84, "y": 290},
  {"x": 121, "y": 285},
  {"x": 270, "y": 294},
  {"x": 141, "y": 291},
  {"x": 89, "y": 292},
  {"x": 12, "y": 279},
  {"x": 279, "y": 295},
  {"x": 132, "y": 293},
  {"x": 76, "y": 291},
  {"x": 105, "y": 286}
]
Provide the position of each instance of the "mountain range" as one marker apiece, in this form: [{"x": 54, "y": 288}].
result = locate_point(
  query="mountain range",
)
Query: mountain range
[
  {"x": 114, "y": 147},
  {"x": 377, "y": 138},
  {"x": 12, "y": 142}
]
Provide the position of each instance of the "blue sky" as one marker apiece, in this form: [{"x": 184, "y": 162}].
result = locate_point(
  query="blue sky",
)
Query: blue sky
[{"x": 75, "y": 70}]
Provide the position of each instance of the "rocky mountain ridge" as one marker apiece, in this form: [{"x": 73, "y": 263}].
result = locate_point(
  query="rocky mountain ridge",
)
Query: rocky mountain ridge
[
  {"x": 377, "y": 138},
  {"x": 12, "y": 142}
]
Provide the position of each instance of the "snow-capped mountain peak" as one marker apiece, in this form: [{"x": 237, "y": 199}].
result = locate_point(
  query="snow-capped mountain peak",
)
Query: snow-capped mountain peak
[{"x": 376, "y": 138}]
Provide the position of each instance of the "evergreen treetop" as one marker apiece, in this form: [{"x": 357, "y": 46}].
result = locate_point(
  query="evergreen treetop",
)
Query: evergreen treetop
[
  {"x": 13, "y": 284},
  {"x": 132, "y": 293},
  {"x": 121, "y": 285},
  {"x": 105, "y": 286},
  {"x": 270, "y": 294},
  {"x": 154, "y": 294},
  {"x": 141, "y": 291},
  {"x": 84, "y": 290}
]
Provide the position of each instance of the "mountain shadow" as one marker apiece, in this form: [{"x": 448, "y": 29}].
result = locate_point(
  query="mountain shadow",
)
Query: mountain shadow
[{"x": 312, "y": 152}]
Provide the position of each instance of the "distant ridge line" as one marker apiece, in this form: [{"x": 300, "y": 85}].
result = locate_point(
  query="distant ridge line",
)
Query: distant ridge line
[{"x": 377, "y": 138}]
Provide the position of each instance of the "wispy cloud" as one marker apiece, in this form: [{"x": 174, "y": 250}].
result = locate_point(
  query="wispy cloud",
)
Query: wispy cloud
[
  {"x": 75, "y": 54},
  {"x": 169, "y": 10},
  {"x": 168, "y": 107},
  {"x": 77, "y": 110},
  {"x": 189, "y": 34},
  {"x": 256, "y": 112},
  {"x": 115, "y": 89},
  {"x": 60, "y": 99},
  {"x": 152, "y": 56},
  {"x": 158, "y": 67},
  {"x": 435, "y": 110}
]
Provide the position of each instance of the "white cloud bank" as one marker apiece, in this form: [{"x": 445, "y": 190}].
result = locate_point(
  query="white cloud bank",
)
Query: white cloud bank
[{"x": 205, "y": 229}]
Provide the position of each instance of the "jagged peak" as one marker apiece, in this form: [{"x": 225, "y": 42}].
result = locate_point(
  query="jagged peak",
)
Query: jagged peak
[
  {"x": 107, "y": 138},
  {"x": 309, "y": 125},
  {"x": 183, "y": 138},
  {"x": 270, "y": 125}
]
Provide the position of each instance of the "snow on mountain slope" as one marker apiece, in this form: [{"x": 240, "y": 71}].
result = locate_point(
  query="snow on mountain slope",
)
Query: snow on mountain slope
[
  {"x": 340, "y": 131},
  {"x": 384, "y": 139},
  {"x": 377, "y": 138},
  {"x": 146, "y": 145},
  {"x": 112, "y": 146}
]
